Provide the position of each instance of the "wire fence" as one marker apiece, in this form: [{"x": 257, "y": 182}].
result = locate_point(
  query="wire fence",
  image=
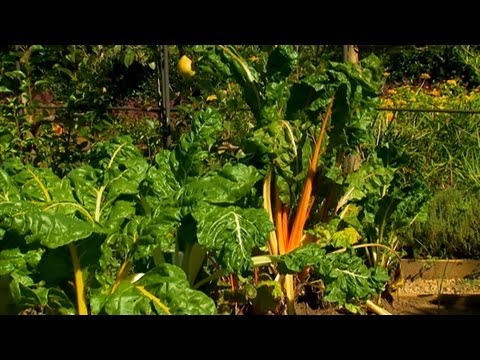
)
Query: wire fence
[{"x": 174, "y": 109}]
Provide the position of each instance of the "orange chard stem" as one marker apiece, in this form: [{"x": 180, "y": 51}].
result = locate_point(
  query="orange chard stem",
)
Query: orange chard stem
[
  {"x": 302, "y": 211},
  {"x": 278, "y": 217}
]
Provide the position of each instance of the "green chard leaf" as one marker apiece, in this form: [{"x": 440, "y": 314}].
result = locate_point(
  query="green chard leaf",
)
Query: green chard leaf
[
  {"x": 281, "y": 63},
  {"x": 194, "y": 149},
  {"x": 14, "y": 260},
  {"x": 232, "y": 233},
  {"x": 226, "y": 186},
  {"x": 51, "y": 230},
  {"x": 345, "y": 276},
  {"x": 163, "y": 290}
]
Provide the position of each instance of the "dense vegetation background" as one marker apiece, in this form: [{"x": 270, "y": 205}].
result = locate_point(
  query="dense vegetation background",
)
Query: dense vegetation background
[{"x": 85, "y": 116}]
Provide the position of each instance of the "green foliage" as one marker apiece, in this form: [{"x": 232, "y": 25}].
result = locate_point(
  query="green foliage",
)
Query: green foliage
[
  {"x": 441, "y": 62},
  {"x": 268, "y": 297},
  {"x": 345, "y": 276},
  {"x": 451, "y": 228},
  {"x": 430, "y": 140}
]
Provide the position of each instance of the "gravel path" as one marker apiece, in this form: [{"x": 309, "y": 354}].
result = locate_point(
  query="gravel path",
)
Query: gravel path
[{"x": 437, "y": 286}]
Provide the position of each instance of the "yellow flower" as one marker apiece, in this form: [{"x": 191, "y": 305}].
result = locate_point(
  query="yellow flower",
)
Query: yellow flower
[
  {"x": 388, "y": 102},
  {"x": 435, "y": 92},
  {"x": 211, "y": 98},
  {"x": 391, "y": 91},
  {"x": 425, "y": 76},
  {"x": 389, "y": 116},
  {"x": 452, "y": 82},
  {"x": 254, "y": 58},
  {"x": 386, "y": 74}
]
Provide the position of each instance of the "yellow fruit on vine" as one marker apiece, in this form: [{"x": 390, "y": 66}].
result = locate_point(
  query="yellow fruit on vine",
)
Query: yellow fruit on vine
[{"x": 185, "y": 67}]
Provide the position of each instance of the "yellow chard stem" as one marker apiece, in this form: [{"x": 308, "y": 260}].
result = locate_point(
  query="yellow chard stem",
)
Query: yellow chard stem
[
  {"x": 290, "y": 294},
  {"x": 267, "y": 205},
  {"x": 79, "y": 284},
  {"x": 278, "y": 217},
  {"x": 122, "y": 274},
  {"x": 153, "y": 298}
]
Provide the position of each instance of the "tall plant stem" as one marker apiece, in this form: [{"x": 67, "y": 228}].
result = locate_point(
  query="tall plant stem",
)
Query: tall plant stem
[{"x": 79, "y": 284}]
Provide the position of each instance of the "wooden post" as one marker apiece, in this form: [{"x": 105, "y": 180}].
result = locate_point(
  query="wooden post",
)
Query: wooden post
[
  {"x": 17, "y": 49},
  {"x": 163, "y": 87},
  {"x": 351, "y": 162},
  {"x": 350, "y": 54}
]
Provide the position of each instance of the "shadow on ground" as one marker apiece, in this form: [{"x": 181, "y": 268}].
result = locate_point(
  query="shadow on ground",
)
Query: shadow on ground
[{"x": 445, "y": 304}]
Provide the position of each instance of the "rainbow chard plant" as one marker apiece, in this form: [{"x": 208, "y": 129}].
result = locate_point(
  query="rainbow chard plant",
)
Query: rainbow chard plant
[{"x": 307, "y": 136}]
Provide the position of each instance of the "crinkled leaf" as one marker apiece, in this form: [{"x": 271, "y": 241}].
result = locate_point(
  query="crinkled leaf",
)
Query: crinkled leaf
[
  {"x": 120, "y": 212},
  {"x": 160, "y": 183},
  {"x": 36, "y": 181},
  {"x": 194, "y": 149},
  {"x": 232, "y": 233},
  {"x": 301, "y": 257},
  {"x": 281, "y": 62},
  {"x": 118, "y": 169},
  {"x": 4, "y": 89},
  {"x": 169, "y": 285},
  {"x": 60, "y": 302},
  {"x": 345, "y": 237},
  {"x": 350, "y": 279},
  {"x": 29, "y": 295},
  {"x": 269, "y": 297},
  {"x": 160, "y": 232},
  {"x": 86, "y": 183},
  {"x": 345, "y": 276},
  {"x": 13, "y": 260},
  {"x": 139, "y": 239},
  {"x": 275, "y": 104},
  {"x": 350, "y": 215},
  {"x": 9, "y": 191},
  {"x": 371, "y": 178},
  {"x": 226, "y": 186},
  {"x": 51, "y": 230}
]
